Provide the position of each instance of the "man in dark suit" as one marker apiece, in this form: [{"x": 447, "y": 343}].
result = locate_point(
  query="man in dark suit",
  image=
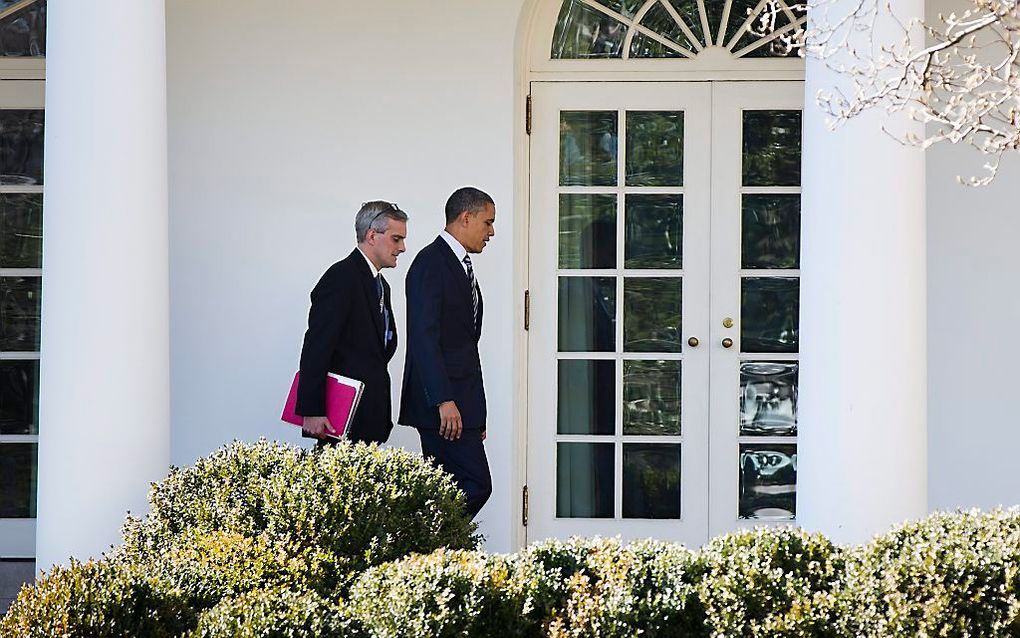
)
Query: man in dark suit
[
  {"x": 351, "y": 330},
  {"x": 443, "y": 395}
]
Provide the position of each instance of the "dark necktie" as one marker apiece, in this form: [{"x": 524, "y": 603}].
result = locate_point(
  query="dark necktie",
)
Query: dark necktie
[
  {"x": 382, "y": 309},
  {"x": 474, "y": 287}
]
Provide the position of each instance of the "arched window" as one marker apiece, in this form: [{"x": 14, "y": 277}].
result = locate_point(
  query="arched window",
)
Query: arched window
[{"x": 682, "y": 29}]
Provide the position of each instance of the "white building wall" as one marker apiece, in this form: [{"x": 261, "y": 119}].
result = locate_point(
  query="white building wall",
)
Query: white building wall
[
  {"x": 973, "y": 310},
  {"x": 283, "y": 118}
]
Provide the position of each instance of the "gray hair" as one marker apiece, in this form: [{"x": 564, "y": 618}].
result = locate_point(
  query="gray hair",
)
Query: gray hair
[{"x": 376, "y": 216}]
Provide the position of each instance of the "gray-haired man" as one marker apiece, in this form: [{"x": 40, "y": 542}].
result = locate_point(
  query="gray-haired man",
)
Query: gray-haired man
[{"x": 351, "y": 331}]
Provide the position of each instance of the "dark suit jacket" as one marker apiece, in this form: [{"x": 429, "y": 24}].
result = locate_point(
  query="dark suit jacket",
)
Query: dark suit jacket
[
  {"x": 345, "y": 336},
  {"x": 442, "y": 342}
]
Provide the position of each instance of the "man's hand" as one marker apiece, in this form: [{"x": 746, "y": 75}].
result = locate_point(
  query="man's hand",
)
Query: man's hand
[
  {"x": 450, "y": 425},
  {"x": 318, "y": 427}
]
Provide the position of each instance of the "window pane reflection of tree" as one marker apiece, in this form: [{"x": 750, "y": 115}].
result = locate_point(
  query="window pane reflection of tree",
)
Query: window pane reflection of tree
[
  {"x": 23, "y": 34},
  {"x": 652, "y": 314},
  {"x": 19, "y": 313},
  {"x": 21, "y": 147},
  {"x": 770, "y": 314},
  {"x": 770, "y": 233},
  {"x": 21, "y": 230},
  {"x": 655, "y": 148},
  {"x": 583, "y": 33},
  {"x": 588, "y": 148},
  {"x": 651, "y": 398},
  {"x": 654, "y": 231},
  {"x": 772, "y": 141},
  {"x": 768, "y": 481},
  {"x": 768, "y": 398},
  {"x": 651, "y": 481}
]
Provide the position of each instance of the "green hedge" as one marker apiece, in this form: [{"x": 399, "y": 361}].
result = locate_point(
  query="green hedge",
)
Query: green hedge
[
  {"x": 98, "y": 599},
  {"x": 948, "y": 575},
  {"x": 772, "y": 583},
  {"x": 600, "y": 587},
  {"x": 277, "y": 613},
  {"x": 265, "y": 540},
  {"x": 442, "y": 595}
]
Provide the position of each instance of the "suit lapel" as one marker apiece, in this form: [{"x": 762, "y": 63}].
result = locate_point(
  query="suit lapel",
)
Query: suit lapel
[
  {"x": 456, "y": 267},
  {"x": 371, "y": 295}
]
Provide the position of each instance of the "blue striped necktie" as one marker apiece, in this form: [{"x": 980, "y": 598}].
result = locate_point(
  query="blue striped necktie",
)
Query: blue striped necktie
[
  {"x": 474, "y": 287},
  {"x": 382, "y": 309}
]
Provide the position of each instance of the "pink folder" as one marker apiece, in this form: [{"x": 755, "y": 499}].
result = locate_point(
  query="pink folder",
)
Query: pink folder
[{"x": 342, "y": 397}]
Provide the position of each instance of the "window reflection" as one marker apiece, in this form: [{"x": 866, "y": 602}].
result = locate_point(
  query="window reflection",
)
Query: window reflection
[
  {"x": 585, "y": 479},
  {"x": 768, "y": 399},
  {"x": 768, "y": 481},
  {"x": 583, "y": 32},
  {"x": 23, "y": 34},
  {"x": 18, "y": 478}
]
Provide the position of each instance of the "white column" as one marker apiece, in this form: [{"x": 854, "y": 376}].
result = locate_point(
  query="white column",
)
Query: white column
[
  {"x": 863, "y": 382},
  {"x": 104, "y": 398}
]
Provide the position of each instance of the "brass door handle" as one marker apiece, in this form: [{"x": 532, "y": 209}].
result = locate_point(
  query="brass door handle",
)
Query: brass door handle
[
  {"x": 727, "y": 343},
  {"x": 693, "y": 342}
]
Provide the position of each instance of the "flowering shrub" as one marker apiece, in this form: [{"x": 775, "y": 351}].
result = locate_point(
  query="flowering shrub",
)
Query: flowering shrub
[
  {"x": 946, "y": 575},
  {"x": 277, "y": 613},
  {"x": 772, "y": 583},
  {"x": 98, "y": 599}
]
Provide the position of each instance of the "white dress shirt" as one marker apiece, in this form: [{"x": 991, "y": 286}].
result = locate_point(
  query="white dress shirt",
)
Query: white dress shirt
[
  {"x": 457, "y": 248},
  {"x": 371, "y": 266}
]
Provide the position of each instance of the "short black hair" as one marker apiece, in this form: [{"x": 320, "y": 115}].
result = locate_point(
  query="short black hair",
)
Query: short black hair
[{"x": 468, "y": 199}]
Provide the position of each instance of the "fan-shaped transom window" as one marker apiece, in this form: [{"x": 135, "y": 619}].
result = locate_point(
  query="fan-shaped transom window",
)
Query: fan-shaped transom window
[{"x": 683, "y": 29}]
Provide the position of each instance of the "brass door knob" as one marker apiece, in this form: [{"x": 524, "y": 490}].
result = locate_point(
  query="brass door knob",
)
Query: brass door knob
[
  {"x": 693, "y": 342},
  {"x": 727, "y": 343}
]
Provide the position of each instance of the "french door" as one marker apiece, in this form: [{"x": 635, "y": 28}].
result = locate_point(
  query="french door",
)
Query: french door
[{"x": 664, "y": 283}]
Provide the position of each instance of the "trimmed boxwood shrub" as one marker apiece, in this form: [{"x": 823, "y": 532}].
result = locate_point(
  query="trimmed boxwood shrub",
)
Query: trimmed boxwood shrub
[
  {"x": 947, "y": 575},
  {"x": 98, "y": 599},
  {"x": 352, "y": 506},
  {"x": 210, "y": 566},
  {"x": 648, "y": 588},
  {"x": 772, "y": 583},
  {"x": 442, "y": 595},
  {"x": 277, "y": 613}
]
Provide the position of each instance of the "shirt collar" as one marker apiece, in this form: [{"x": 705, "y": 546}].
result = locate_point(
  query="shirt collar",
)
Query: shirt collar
[
  {"x": 371, "y": 266},
  {"x": 457, "y": 248}
]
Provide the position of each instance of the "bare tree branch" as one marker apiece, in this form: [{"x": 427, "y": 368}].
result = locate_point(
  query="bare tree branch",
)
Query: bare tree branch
[{"x": 959, "y": 76}]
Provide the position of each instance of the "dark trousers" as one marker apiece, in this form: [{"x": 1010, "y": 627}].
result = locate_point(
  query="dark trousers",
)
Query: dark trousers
[{"x": 464, "y": 459}]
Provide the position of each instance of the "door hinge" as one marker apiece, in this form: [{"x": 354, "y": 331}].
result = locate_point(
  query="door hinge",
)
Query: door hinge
[
  {"x": 527, "y": 117},
  {"x": 524, "y": 506},
  {"x": 527, "y": 309}
]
